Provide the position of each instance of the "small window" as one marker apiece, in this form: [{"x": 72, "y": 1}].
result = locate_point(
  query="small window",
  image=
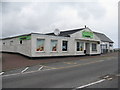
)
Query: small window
[
  {"x": 40, "y": 45},
  {"x": 4, "y": 43},
  {"x": 11, "y": 42},
  {"x": 80, "y": 46},
  {"x": 94, "y": 47},
  {"x": 111, "y": 45},
  {"x": 21, "y": 42},
  {"x": 53, "y": 45},
  {"x": 64, "y": 45}
]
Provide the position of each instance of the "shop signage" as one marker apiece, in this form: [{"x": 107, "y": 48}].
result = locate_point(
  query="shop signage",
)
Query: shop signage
[
  {"x": 87, "y": 34},
  {"x": 25, "y": 37}
]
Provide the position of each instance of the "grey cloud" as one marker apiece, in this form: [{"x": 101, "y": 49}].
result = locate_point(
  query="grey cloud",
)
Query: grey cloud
[
  {"x": 44, "y": 15},
  {"x": 26, "y": 17},
  {"x": 85, "y": 9},
  {"x": 0, "y": 19}
]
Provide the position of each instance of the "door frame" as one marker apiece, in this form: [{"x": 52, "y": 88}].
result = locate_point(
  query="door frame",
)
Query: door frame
[{"x": 87, "y": 48}]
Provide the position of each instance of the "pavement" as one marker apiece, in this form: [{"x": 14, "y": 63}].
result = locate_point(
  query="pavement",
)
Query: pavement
[
  {"x": 74, "y": 74},
  {"x": 15, "y": 61},
  {"x": 55, "y": 65}
]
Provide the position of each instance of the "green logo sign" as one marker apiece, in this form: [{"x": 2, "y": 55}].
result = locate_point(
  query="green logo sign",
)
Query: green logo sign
[
  {"x": 24, "y": 37},
  {"x": 87, "y": 34}
]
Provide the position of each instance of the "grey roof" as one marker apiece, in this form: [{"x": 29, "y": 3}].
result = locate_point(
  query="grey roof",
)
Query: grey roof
[
  {"x": 15, "y": 36},
  {"x": 66, "y": 33},
  {"x": 19, "y": 36},
  {"x": 103, "y": 37}
]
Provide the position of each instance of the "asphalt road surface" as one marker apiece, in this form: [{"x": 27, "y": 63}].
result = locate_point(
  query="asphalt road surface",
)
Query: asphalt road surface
[{"x": 89, "y": 73}]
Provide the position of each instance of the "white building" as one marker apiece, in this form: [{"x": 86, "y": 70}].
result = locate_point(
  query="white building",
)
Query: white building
[{"x": 68, "y": 43}]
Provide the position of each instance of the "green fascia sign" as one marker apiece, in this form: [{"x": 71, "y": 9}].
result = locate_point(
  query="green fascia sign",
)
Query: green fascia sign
[
  {"x": 25, "y": 37},
  {"x": 87, "y": 34}
]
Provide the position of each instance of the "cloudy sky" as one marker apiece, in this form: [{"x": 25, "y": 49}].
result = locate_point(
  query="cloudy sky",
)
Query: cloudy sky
[{"x": 43, "y": 17}]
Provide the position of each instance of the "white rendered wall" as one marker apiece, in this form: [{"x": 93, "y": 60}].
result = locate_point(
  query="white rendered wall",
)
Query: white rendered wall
[
  {"x": 28, "y": 47},
  {"x": 47, "y": 52},
  {"x": 0, "y": 45},
  {"x": 78, "y": 35},
  {"x": 108, "y": 46},
  {"x": 16, "y": 47},
  {"x": 71, "y": 45},
  {"x": 111, "y": 48}
]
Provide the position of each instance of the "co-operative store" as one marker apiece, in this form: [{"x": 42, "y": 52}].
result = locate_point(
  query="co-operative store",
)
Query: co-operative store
[{"x": 68, "y": 43}]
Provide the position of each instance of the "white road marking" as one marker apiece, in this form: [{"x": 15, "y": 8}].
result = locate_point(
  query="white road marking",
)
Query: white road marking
[
  {"x": 40, "y": 68},
  {"x": 109, "y": 78},
  {"x": 11, "y": 74},
  {"x": 1, "y": 73},
  {"x": 33, "y": 71},
  {"x": 24, "y": 73},
  {"x": 70, "y": 62},
  {"x": 106, "y": 76},
  {"x": 101, "y": 60},
  {"x": 91, "y": 84},
  {"x": 24, "y": 69},
  {"x": 118, "y": 75}
]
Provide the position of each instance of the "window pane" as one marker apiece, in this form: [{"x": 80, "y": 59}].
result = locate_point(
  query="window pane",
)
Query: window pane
[
  {"x": 11, "y": 42},
  {"x": 53, "y": 45},
  {"x": 111, "y": 45},
  {"x": 94, "y": 47},
  {"x": 20, "y": 41},
  {"x": 80, "y": 46},
  {"x": 64, "y": 46},
  {"x": 4, "y": 43},
  {"x": 40, "y": 45}
]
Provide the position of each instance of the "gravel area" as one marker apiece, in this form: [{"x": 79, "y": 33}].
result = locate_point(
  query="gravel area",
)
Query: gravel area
[{"x": 14, "y": 61}]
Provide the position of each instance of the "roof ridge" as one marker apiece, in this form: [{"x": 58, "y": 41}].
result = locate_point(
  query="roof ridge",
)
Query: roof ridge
[
  {"x": 68, "y": 30},
  {"x": 73, "y": 30},
  {"x": 98, "y": 32}
]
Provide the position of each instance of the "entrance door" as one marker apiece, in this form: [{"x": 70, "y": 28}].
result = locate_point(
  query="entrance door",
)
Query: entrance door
[{"x": 87, "y": 48}]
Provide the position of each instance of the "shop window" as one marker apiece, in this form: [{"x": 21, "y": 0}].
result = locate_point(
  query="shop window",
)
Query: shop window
[
  {"x": 40, "y": 45},
  {"x": 94, "y": 47},
  {"x": 53, "y": 45},
  {"x": 80, "y": 46},
  {"x": 64, "y": 45}
]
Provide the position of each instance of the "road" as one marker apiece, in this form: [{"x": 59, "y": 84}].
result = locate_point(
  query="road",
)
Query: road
[{"x": 68, "y": 75}]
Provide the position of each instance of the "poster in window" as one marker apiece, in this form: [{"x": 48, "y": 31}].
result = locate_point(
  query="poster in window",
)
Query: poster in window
[
  {"x": 80, "y": 46},
  {"x": 40, "y": 45},
  {"x": 64, "y": 46},
  {"x": 53, "y": 45}
]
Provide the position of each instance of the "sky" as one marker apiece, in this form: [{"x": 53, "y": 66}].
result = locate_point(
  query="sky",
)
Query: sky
[{"x": 44, "y": 17}]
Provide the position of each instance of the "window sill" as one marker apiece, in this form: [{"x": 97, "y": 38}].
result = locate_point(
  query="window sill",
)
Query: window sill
[
  {"x": 53, "y": 51},
  {"x": 94, "y": 51},
  {"x": 79, "y": 51},
  {"x": 40, "y": 51},
  {"x": 65, "y": 51}
]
